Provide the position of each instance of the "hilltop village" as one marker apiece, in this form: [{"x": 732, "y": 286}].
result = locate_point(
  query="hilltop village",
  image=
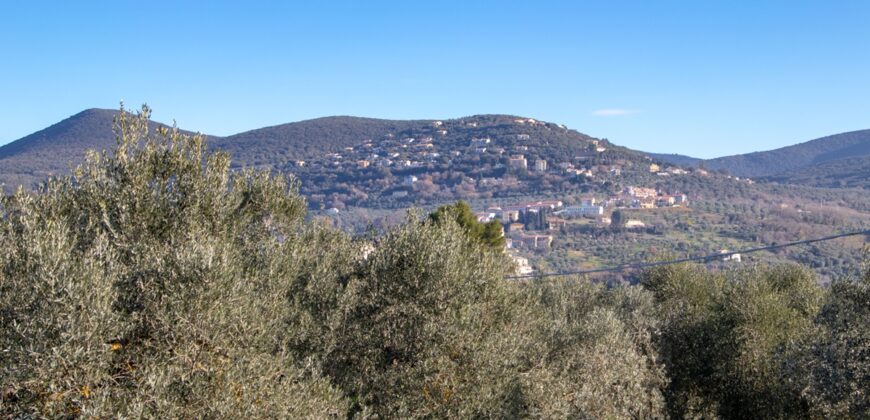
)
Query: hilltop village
[{"x": 477, "y": 158}]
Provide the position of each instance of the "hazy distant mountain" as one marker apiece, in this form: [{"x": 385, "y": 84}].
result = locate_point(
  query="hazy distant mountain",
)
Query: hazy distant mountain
[{"x": 821, "y": 161}]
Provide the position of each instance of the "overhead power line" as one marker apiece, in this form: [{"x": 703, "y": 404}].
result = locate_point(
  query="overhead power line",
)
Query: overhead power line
[{"x": 705, "y": 258}]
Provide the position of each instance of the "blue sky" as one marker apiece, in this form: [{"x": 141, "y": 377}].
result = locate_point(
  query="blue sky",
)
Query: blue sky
[{"x": 704, "y": 78}]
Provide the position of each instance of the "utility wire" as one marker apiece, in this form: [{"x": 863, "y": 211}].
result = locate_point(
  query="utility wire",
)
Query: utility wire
[{"x": 705, "y": 258}]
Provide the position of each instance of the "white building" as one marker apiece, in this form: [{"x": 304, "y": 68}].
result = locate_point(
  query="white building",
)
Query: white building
[
  {"x": 518, "y": 161},
  {"x": 522, "y": 264},
  {"x": 585, "y": 211},
  {"x": 729, "y": 257},
  {"x": 634, "y": 224}
]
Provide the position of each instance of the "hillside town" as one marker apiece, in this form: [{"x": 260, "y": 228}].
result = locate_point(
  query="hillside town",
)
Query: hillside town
[
  {"x": 467, "y": 159},
  {"x": 531, "y": 226}
]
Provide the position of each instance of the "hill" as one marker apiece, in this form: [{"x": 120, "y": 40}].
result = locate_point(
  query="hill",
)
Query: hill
[
  {"x": 312, "y": 139},
  {"x": 828, "y": 161},
  {"x": 45, "y": 152},
  {"x": 383, "y": 163},
  {"x": 56, "y": 149},
  {"x": 372, "y": 153}
]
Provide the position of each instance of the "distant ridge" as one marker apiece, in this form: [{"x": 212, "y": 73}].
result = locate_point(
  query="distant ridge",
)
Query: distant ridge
[
  {"x": 850, "y": 172},
  {"x": 56, "y": 149},
  {"x": 832, "y": 161},
  {"x": 838, "y": 146},
  {"x": 310, "y": 139},
  {"x": 840, "y": 160}
]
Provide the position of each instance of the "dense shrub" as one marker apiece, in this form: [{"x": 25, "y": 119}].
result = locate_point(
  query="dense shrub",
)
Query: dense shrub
[
  {"x": 490, "y": 233},
  {"x": 838, "y": 361},
  {"x": 595, "y": 350},
  {"x": 152, "y": 283},
  {"x": 726, "y": 338}
]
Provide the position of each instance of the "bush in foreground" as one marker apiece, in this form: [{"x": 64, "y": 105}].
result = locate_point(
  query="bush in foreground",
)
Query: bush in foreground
[{"x": 151, "y": 283}]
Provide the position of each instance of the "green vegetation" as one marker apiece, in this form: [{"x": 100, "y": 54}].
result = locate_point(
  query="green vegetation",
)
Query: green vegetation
[
  {"x": 806, "y": 163},
  {"x": 851, "y": 172},
  {"x": 724, "y": 214},
  {"x": 490, "y": 233},
  {"x": 155, "y": 282}
]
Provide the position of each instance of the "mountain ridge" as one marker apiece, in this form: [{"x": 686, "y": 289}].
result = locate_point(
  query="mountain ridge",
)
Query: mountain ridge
[
  {"x": 54, "y": 149},
  {"x": 362, "y": 172},
  {"x": 824, "y": 161},
  {"x": 369, "y": 161}
]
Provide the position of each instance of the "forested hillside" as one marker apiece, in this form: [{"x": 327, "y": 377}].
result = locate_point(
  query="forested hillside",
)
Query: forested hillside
[
  {"x": 158, "y": 283},
  {"x": 833, "y": 161},
  {"x": 308, "y": 139},
  {"x": 851, "y": 172},
  {"x": 56, "y": 149}
]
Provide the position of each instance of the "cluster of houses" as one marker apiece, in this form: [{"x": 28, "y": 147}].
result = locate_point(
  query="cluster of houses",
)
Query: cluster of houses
[
  {"x": 414, "y": 152},
  {"x": 673, "y": 170},
  {"x": 531, "y": 225},
  {"x": 418, "y": 159},
  {"x": 515, "y": 217},
  {"x": 522, "y": 222},
  {"x": 432, "y": 148},
  {"x": 391, "y": 152},
  {"x": 645, "y": 198}
]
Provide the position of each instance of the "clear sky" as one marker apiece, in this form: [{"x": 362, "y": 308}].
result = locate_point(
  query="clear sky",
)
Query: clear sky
[{"x": 704, "y": 78}]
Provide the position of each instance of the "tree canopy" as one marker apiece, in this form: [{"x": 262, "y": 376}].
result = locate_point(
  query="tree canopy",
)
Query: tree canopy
[{"x": 489, "y": 233}]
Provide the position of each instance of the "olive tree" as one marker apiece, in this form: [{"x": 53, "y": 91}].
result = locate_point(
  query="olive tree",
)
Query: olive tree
[
  {"x": 727, "y": 338},
  {"x": 153, "y": 282},
  {"x": 836, "y": 369}
]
